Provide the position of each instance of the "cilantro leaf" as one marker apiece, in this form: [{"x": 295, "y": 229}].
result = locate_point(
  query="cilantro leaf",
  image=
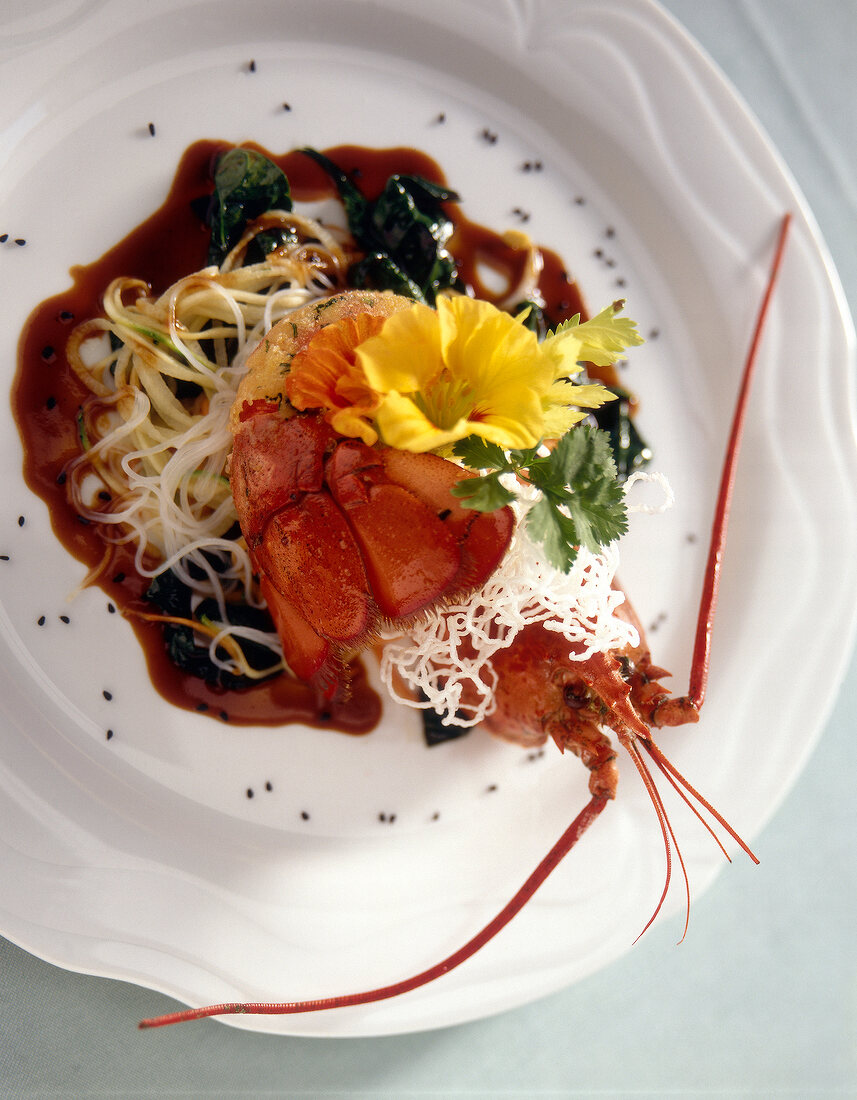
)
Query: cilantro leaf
[
  {"x": 597, "y": 502},
  {"x": 601, "y": 340},
  {"x": 484, "y": 494},
  {"x": 580, "y": 503},
  {"x": 583, "y": 456},
  {"x": 479, "y": 454},
  {"x": 556, "y": 531}
]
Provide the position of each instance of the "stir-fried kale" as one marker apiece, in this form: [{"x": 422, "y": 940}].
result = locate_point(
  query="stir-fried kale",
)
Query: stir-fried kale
[
  {"x": 246, "y": 185},
  {"x": 535, "y": 319},
  {"x": 404, "y": 233},
  {"x": 437, "y": 732},
  {"x": 174, "y": 599},
  {"x": 630, "y": 451}
]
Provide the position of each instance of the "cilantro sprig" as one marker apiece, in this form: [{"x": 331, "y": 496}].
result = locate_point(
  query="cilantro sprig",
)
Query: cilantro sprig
[{"x": 580, "y": 501}]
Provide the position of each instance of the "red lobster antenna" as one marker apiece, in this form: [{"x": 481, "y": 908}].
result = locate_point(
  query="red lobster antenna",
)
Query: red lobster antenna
[
  {"x": 684, "y": 708},
  {"x": 708, "y": 599},
  {"x": 696, "y": 693}
]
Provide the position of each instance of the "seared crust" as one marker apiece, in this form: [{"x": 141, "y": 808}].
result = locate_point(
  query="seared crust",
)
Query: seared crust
[{"x": 269, "y": 364}]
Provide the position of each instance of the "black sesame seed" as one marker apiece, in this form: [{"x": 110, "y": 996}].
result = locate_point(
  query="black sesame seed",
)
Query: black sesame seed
[
  {"x": 48, "y": 353},
  {"x": 61, "y": 478},
  {"x": 21, "y": 521},
  {"x": 609, "y": 232},
  {"x": 304, "y": 815},
  {"x": 436, "y": 815},
  {"x": 202, "y": 707},
  {"x": 108, "y": 695},
  {"x": 491, "y": 788},
  {"x": 690, "y": 537},
  {"x": 249, "y": 792},
  {"x": 20, "y": 241},
  {"x": 41, "y": 620},
  {"x": 269, "y": 786},
  {"x": 598, "y": 253},
  {"x": 66, "y": 316},
  {"x": 223, "y": 716},
  {"x": 111, "y": 608},
  {"x": 580, "y": 200},
  {"x": 251, "y": 67},
  {"x": 287, "y": 106},
  {"x": 65, "y": 619},
  {"x": 109, "y": 735},
  {"x": 51, "y": 402},
  {"x": 441, "y": 118},
  {"x": 620, "y": 281},
  {"x": 82, "y": 520},
  {"x": 152, "y": 128},
  {"x": 4, "y": 557},
  {"x": 4, "y": 237},
  {"x": 119, "y": 578},
  {"x": 654, "y": 334},
  {"x": 104, "y": 495}
]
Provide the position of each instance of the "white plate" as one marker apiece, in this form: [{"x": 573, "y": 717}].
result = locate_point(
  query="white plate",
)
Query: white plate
[{"x": 142, "y": 857}]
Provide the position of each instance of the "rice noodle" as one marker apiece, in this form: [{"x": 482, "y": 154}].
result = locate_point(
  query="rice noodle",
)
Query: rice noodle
[{"x": 445, "y": 657}]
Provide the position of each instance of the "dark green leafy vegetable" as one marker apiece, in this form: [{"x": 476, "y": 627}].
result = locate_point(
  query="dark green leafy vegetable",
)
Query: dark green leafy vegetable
[
  {"x": 535, "y": 320},
  {"x": 436, "y": 731},
  {"x": 404, "y": 233},
  {"x": 173, "y": 597},
  {"x": 379, "y": 272},
  {"x": 82, "y": 434},
  {"x": 246, "y": 185},
  {"x": 630, "y": 449},
  {"x": 580, "y": 501}
]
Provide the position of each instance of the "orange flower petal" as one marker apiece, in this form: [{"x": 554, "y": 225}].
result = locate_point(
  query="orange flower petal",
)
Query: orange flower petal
[{"x": 326, "y": 375}]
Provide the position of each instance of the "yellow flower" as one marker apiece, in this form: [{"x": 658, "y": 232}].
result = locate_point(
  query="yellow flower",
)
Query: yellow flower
[{"x": 470, "y": 369}]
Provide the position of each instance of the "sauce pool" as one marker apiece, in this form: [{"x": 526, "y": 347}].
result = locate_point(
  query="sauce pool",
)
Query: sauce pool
[{"x": 171, "y": 243}]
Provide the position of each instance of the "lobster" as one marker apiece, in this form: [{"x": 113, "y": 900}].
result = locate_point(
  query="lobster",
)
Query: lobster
[{"x": 299, "y": 487}]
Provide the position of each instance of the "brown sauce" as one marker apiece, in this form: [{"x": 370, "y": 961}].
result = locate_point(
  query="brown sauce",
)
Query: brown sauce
[{"x": 171, "y": 243}]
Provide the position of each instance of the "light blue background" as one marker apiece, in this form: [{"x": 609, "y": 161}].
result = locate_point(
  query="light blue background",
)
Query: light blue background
[{"x": 760, "y": 1000}]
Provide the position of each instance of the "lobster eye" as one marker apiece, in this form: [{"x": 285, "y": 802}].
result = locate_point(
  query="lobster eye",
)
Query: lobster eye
[{"x": 575, "y": 695}]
